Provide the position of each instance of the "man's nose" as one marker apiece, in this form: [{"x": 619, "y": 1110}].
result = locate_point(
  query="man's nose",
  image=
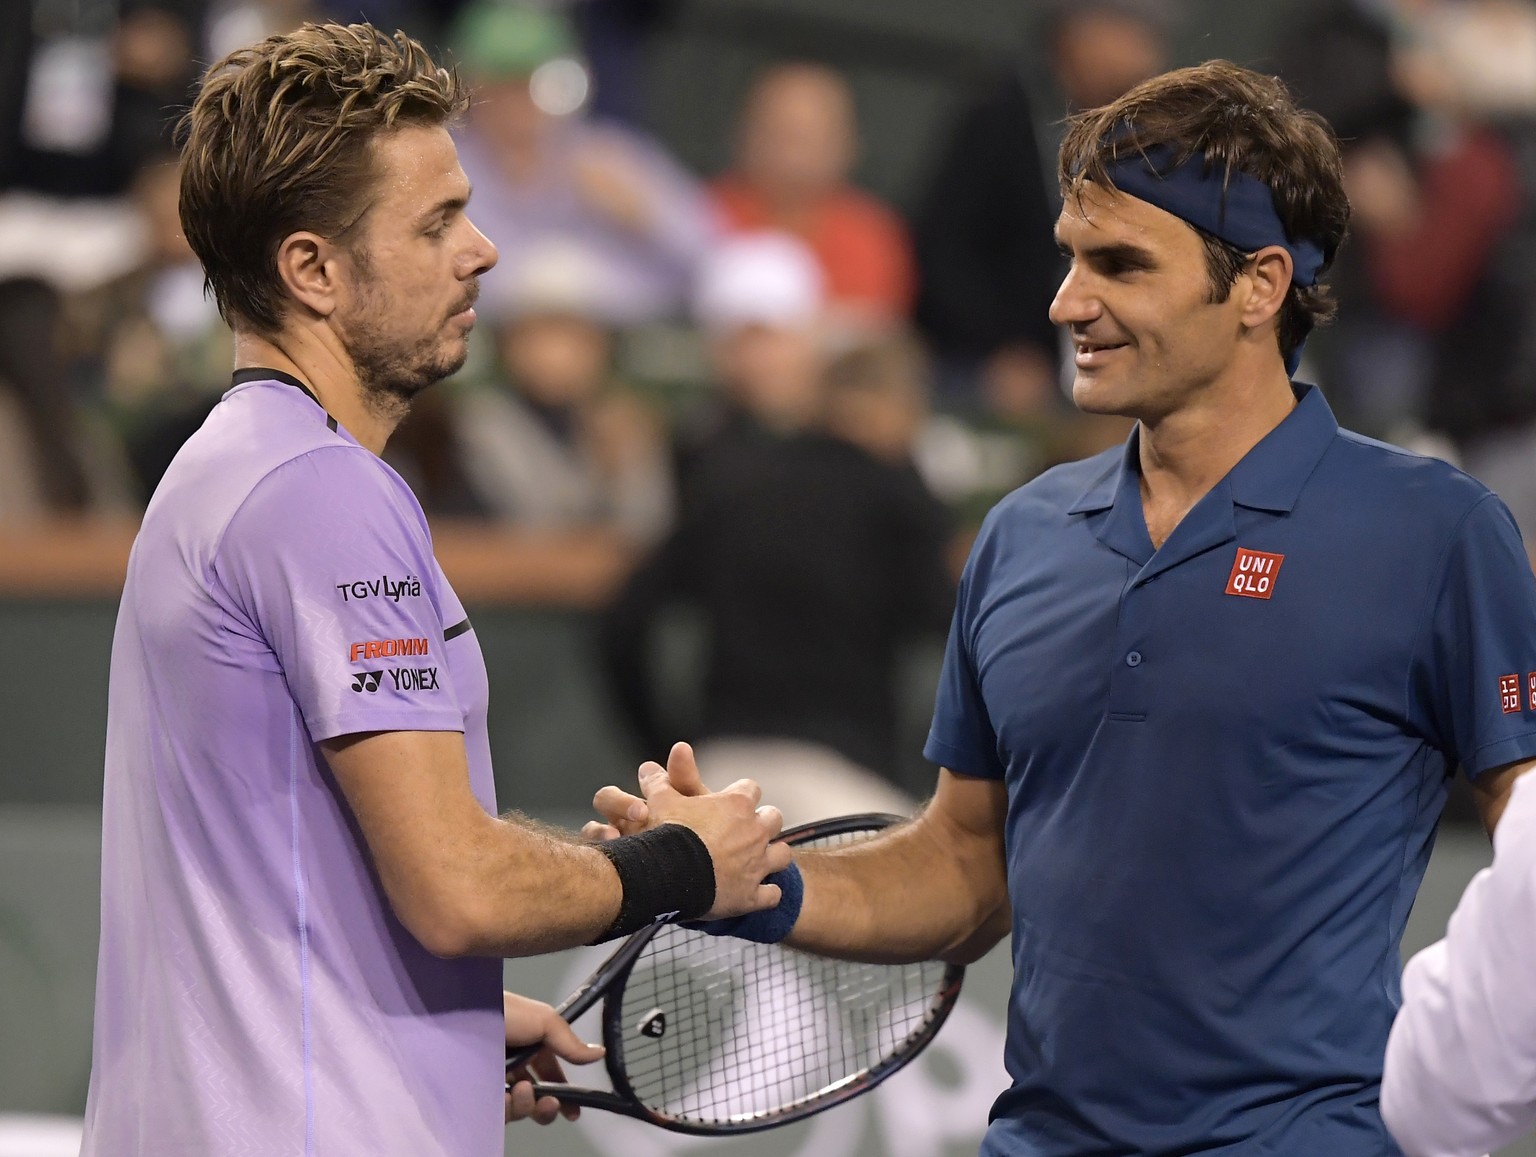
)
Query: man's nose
[
  {"x": 483, "y": 252},
  {"x": 1073, "y": 304}
]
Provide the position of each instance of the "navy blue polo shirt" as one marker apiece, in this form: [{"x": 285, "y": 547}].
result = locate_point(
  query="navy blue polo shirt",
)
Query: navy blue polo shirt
[{"x": 1225, "y": 759}]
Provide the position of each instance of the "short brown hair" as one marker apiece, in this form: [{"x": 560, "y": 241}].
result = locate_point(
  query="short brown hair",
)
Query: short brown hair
[
  {"x": 1246, "y": 122},
  {"x": 890, "y": 364},
  {"x": 280, "y": 139}
]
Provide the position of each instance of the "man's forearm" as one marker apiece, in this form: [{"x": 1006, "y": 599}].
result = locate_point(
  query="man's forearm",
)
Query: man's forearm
[
  {"x": 914, "y": 893},
  {"x": 467, "y": 883},
  {"x": 511, "y": 888}
]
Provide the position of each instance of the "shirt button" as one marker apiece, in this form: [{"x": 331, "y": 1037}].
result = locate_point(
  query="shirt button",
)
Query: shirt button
[{"x": 1133, "y": 659}]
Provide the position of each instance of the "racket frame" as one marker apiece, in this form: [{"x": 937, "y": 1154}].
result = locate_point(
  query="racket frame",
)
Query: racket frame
[{"x": 607, "y": 983}]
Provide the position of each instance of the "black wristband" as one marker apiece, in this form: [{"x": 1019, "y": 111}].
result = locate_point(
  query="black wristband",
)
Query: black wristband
[{"x": 666, "y": 874}]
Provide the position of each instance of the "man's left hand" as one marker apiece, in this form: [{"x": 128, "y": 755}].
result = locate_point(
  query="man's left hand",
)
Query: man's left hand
[{"x": 530, "y": 1022}]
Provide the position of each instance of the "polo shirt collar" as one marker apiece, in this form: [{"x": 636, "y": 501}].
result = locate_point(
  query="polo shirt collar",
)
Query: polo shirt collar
[
  {"x": 1101, "y": 495},
  {"x": 1269, "y": 477}
]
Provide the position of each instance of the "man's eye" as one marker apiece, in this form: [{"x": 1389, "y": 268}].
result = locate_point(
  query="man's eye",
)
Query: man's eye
[{"x": 437, "y": 231}]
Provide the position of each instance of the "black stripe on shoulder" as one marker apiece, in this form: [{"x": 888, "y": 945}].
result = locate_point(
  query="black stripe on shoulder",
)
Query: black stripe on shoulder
[
  {"x": 330, "y": 423},
  {"x": 453, "y": 632}
]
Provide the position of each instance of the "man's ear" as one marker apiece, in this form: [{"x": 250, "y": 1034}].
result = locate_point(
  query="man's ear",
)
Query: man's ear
[
  {"x": 310, "y": 267},
  {"x": 1269, "y": 280}
]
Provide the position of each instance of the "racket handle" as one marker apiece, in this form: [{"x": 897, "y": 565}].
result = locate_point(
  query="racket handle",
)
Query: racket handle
[
  {"x": 523, "y": 1055},
  {"x": 587, "y": 995}
]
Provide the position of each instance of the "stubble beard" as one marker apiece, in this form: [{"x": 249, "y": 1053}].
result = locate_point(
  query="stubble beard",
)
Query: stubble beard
[{"x": 390, "y": 372}]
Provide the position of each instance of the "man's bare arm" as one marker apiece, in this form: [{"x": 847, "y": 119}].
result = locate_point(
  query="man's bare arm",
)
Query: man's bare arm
[
  {"x": 467, "y": 883},
  {"x": 933, "y": 888}
]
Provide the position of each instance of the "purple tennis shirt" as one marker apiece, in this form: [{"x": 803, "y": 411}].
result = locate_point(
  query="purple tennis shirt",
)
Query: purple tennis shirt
[{"x": 255, "y": 994}]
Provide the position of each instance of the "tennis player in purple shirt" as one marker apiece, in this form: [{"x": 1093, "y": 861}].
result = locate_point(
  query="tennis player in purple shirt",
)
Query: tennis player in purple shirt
[{"x": 305, "y": 887}]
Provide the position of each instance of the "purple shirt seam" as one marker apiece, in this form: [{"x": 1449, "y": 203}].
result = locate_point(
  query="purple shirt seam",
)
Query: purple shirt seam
[
  {"x": 303, "y": 922},
  {"x": 218, "y": 542}
]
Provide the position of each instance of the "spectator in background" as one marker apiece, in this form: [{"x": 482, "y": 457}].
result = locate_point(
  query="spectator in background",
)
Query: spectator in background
[
  {"x": 1101, "y": 49},
  {"x": 100, "y": 99},
  {"x": 1477, "y": 56},
  {"x": 795, "y": 148},
  {"x": 813, "y": 556},
  {"x": 986, "y": 255},
  {"x": 554, "y": 441},
  {"x": 233, "y": 24},
  {"x": 54, "y": 459},
  {"x": 1433, "y": 102},
  {"x": 876, "y": 398},
  {"x": 1338, "y": 58},
  {"x": 540, "y": 170},
  {"x": 1445, "y": 224},
  {"x": 761, "y": 302},
  {"x": 150, "y": 337},
  {"x": 1488, "y": 357}
]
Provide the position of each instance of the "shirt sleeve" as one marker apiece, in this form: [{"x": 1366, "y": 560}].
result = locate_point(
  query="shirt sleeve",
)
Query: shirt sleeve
[
  {"x": 962, "y": 738},
  {"x": 329, "y": 564},
  {"x": 1460, "y": 1070},
  {"x": 1477, "y": 685}
]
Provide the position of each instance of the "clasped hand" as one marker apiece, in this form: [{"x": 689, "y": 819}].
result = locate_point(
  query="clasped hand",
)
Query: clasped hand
[{"x": 737, "y": 832}]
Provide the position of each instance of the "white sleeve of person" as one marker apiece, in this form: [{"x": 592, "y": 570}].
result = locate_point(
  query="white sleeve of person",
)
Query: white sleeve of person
[{"x": 1460, "y": 1073}]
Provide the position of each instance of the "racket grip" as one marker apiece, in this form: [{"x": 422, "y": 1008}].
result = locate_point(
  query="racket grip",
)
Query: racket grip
[{"x": 521, "y": 1056}]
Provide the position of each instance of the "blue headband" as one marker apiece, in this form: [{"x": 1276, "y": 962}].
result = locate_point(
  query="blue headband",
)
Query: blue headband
[{"x": 1227, "y": 203}]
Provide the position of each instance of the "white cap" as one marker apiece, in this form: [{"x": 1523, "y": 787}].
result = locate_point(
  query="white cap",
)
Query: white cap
[
  {"x": 556, "y": 275},
  {"x": 769, "y": 279}
]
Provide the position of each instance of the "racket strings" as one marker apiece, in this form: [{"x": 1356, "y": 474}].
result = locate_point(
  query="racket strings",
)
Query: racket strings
[{"x": 719, "y": 1029}]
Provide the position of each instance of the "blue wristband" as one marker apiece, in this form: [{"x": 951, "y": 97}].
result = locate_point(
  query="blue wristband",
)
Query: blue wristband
[{"x": 770, "y": 925}]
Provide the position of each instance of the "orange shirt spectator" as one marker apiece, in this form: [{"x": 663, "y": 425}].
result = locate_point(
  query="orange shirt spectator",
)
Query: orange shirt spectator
[
  {"x": 862, "y": 246},
  {"x": 795, "y": 149}
]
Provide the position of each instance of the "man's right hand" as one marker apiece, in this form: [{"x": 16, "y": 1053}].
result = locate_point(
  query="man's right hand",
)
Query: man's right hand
[
  {"x": 624, "y": 814},
  {"x": 737, "y": 832}
]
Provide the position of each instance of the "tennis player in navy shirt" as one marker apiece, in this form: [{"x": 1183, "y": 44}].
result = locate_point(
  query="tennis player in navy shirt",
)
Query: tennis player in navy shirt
[{"x": 1202, "y": 694}]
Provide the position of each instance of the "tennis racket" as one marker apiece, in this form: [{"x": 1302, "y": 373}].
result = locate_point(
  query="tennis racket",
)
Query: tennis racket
[{"x": 715, "y": 1035}]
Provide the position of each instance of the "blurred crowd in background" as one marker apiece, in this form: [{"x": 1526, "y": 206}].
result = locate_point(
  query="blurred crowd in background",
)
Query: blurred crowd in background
[{"x": 787, "y": 393}]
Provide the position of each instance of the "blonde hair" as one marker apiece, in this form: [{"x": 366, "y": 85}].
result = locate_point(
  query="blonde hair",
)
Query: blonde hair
[{"x": 280, "y": 139}]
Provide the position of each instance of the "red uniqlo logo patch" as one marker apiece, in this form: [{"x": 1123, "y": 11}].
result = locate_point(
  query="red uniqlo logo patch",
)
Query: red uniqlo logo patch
[
  {"x": 1253, "y": 573},
  {"x": 1509, "y": 693},
  {"x": 1530, "y": 684}
]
